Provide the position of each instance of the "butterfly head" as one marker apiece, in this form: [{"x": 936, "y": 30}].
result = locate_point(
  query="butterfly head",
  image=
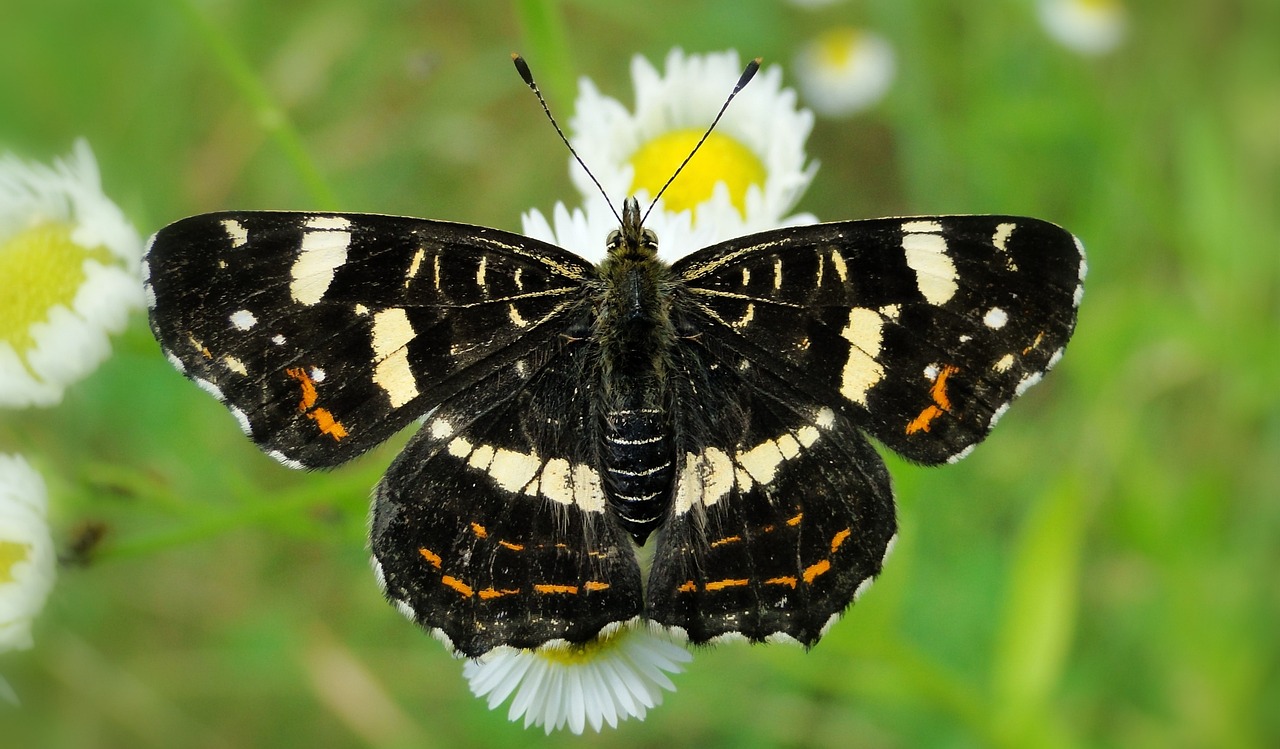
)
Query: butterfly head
[{"x": 632, "y": 240}]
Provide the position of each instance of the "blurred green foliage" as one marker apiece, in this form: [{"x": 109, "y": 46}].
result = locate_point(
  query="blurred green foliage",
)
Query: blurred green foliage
[{"x": 1103, "y": 572}]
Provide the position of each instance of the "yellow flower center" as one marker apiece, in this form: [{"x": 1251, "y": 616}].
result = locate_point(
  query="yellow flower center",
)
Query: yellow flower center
[
  {"x": 40, "y": 267},
  {"x": 575, "y": 655},
  {"x": 721, "y": 159},
  {"x": 837, "y": 46},
  {"x": 11, "y": 553}
]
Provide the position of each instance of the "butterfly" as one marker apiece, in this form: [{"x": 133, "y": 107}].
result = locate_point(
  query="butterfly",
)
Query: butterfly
[{"x": 682, "y": 443}]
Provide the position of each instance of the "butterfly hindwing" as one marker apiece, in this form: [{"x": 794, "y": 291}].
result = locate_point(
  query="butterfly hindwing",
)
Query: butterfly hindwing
[
  {"x": 492, "y": 525},
  {"x": 920, "y": 330},
  {"x": 326, "y": 333},
  {"x": 782, "y": 510}
]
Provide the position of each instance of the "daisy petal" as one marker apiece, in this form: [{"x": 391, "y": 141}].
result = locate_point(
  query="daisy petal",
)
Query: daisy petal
[
  {"x": 27, "y": 560},
  {"x": 749, "y": 173},
  {"x": 616, "y": 677},
  {"x": 69, "y": 275}
]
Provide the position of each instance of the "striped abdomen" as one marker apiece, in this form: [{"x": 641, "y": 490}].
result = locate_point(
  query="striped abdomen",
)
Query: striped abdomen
[{"x": 639, "y": 468}]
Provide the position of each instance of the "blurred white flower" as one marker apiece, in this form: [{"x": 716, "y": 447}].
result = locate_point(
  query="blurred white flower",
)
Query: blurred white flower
[
  {"x": 1091, "y": 27},
  {"x": 746, "y": 177},
  {"x": 68, "y": 275},
  {"x": 618, "y": 676},
  {"x": 27, "y": 560},
  {"x": 844, "y": 70}
]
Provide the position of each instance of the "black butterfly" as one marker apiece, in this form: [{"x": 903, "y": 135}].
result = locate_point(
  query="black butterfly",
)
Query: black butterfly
[{"x": 678, "y": 442}]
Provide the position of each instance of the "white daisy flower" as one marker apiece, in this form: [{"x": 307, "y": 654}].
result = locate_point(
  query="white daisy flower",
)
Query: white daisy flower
[
  {"x": 844, "y": 70},
  {"x": 584, "y": 231},
  {"x": 748, "y": 174},
  {"x": 618, "y": 676},
  {"x": 27, "y": 561},
  {"x": 1090, "y": 27},
  {"x": 69, "y": 275}
]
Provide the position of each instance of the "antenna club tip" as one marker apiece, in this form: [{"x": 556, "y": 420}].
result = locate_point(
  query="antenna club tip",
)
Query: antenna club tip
[
  {"x": 522, "y": 68},
  {"x": 748, "y": 73}
]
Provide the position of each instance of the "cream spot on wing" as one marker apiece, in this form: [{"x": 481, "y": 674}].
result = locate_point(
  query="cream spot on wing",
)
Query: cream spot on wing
[
  {"x": 806, "y": 436},
  {"x": 761, "y": 461},
  {"x": 243, "y": 319},
  {"x": 1001, "y": 237},
  {"x": 236, "y": 232},
  {"x": 392, "y": 333},
  {"x": 837, "y": 262},
  {"x": 328, "y": 223},
  {"x": 926, "y": 254},
  {"x": 788, "y": 446},
  {"x": 916, "y": 227},
  {"x": 414, "y": 265},
  {"x": 862, "y": 371},
  {"x": 514, "y": 315},
  {"x": 459, "y": 447},
  {"x": 556, "y": 483},
  {"x": 512, "y": 470},
  {"x": 235, "y": 365},
  {"x": 481, "y": 457},
  {"x": 323, "y": 251},
  {"x": 577, "y": 485},
  {"x": 995, "y": 318},
  {"x": 704, "y": 479},
  {"x": 588, "y": 493},
  {"x": 441, "y": 428},
  {"x": 1001, "y": 241}
]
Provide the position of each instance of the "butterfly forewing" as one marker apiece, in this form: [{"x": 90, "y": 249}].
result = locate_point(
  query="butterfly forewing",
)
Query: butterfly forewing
[
  {"x": 326, "y": 333},
  {"x": 920, "y": 330}
]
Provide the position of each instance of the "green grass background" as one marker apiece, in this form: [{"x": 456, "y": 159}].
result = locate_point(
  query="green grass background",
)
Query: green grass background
[{"x": 1103, "y": 572}]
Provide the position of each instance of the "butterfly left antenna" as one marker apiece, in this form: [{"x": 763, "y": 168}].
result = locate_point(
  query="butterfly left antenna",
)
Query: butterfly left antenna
[{"x": 523, "y": 68}]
